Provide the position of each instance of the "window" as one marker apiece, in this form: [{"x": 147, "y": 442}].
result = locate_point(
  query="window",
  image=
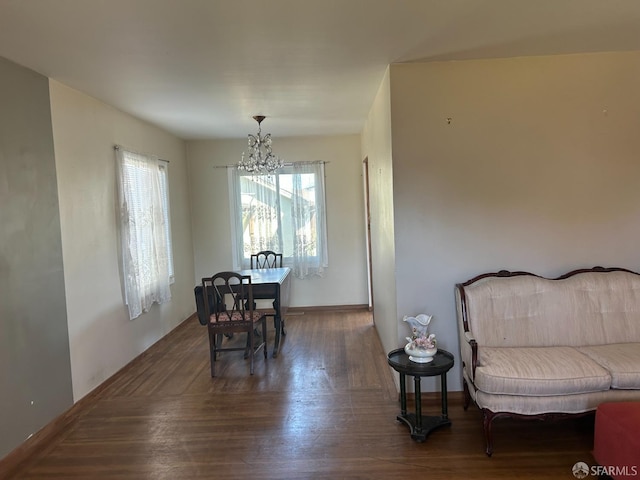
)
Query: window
[
  {"x": 283, "y": 212},
  {"x": 145, "y": 230}
]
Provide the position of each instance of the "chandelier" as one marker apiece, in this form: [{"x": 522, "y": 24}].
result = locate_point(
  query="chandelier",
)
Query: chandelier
[{"x": 261, "y": 159}]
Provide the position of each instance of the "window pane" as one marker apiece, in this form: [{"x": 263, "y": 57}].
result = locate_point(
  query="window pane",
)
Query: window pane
[
  {"x": 260, "y": 214},
  {"x": 283, "y": 212},
  {"x": 307, "y": 230},
  {"x": 267, "y": 222}
]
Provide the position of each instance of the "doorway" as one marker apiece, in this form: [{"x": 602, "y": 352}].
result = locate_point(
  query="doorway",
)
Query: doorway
[{"x": 367, "y": 206}]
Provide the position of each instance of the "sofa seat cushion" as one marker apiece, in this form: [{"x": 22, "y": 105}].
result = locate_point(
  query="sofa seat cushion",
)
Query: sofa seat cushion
[
  {"x": 539, "y": 372},
  {"x": 622, "y": 360}
]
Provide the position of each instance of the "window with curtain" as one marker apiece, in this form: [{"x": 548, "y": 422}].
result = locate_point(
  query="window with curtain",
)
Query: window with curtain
[
  {"x": 283, "y": 212},
  {"x": 145, "y": 230}
]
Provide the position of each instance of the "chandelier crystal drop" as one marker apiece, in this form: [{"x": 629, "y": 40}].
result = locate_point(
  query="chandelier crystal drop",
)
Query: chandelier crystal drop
[{"x": 261, "y": 159}]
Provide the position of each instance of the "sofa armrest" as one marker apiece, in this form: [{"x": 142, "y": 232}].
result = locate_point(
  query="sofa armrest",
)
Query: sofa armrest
[
  {"x": 471, "y": 341},
  {"x": 468, "y": 344}
]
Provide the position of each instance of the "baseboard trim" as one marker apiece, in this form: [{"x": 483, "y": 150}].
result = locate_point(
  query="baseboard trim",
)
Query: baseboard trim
[
  {"x": 15, "y": 460},
  {"x": 325, "y": 308}
]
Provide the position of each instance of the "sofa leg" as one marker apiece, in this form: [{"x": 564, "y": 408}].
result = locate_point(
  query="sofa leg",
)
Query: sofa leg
[
  {"x": 488, "y": 417},
  {"x": 467, "y": 395}
]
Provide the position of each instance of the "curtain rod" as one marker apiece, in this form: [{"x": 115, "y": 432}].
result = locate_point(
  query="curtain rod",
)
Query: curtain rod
[
  {"x": 289, "y": 164},
  {"x": 118, "y": 147}
]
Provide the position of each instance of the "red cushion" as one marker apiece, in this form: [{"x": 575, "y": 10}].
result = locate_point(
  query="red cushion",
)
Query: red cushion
[{"x": 616, "y": 444}]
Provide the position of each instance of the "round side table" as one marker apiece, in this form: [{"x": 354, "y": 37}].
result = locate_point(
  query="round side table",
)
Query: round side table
[{"x": 419, "y": 425}]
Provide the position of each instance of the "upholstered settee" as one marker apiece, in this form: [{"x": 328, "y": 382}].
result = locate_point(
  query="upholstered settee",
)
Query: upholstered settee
[{"x": 535, "y": 347}]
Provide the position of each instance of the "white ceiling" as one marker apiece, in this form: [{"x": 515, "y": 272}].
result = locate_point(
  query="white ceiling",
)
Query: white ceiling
[{"x": 203, "y": 68}]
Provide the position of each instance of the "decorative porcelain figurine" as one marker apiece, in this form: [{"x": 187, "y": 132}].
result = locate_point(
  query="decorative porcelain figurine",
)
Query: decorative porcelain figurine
[
  {"x": 419, "y": 324},
  {"x": 422, "y": 346}
]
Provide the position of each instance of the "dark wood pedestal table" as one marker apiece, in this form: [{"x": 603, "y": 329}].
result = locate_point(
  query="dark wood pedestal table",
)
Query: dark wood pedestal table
[{"x": 421, "y": 426}]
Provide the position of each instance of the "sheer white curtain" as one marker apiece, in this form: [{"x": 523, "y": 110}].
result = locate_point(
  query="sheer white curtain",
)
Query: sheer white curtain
[
  {"x": 283, "y": 212},
  {"x": 310, "y": 255},
  {"x": 261, "y": 213},
  {"x": 145, "y": 249}
]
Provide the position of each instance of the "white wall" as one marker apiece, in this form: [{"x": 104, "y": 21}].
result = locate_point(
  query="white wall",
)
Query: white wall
[
  {"x": 102, "y": 339},
  {"x": 538, "y": 170},
  {"x": 345, "y": 281}
]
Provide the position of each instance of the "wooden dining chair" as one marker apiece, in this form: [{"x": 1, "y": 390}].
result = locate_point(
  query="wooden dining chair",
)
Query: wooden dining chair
[
  {"x": 266, "y": 259},
  {"x": 233, "y": 312},
  {"x": 269, "y": 259}
]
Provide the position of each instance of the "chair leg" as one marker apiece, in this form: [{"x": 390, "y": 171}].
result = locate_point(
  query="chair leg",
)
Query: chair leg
[
  {"x": 467, "y": 395},
  {"x": 251, "y": 353},
  {"x": 212, "y": 353},
  {"x": 247, "y": 346},
  {"x": 277, "y": 321},
  {"x": 487, "y": 419},
  {"x": 264, "y": 336}
]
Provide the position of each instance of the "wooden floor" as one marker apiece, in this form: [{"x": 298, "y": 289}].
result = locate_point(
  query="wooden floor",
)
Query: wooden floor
[{"x": 325, "y": 408}]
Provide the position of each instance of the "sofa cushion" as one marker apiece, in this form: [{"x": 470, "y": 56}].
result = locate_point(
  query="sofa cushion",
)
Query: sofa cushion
[
  {"x": 622, "y": 360},
  {"x": 539, "y": 371}
]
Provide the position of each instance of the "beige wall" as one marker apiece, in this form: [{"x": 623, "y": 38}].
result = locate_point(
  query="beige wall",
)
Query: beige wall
[
  {"x": 376, "y": 146},
  {"x": 102, "y": 339},
  {"x": 538, "y": 169},
  {"x": 345, "y": 281}
]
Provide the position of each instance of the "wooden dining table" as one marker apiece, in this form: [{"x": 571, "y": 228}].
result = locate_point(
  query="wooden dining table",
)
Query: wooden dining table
[{"x": 272, "y": 284}]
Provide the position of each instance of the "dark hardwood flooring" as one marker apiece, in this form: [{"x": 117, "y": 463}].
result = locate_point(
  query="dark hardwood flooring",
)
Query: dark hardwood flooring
[{"x": 325, "y": 408}]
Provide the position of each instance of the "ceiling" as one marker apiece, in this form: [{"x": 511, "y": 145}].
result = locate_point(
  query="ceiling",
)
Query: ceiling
[{"x": 203, "y": 68}]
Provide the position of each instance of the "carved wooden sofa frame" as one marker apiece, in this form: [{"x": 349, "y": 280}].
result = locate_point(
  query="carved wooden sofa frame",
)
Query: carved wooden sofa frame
[{"x": 498, "y": 301}]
